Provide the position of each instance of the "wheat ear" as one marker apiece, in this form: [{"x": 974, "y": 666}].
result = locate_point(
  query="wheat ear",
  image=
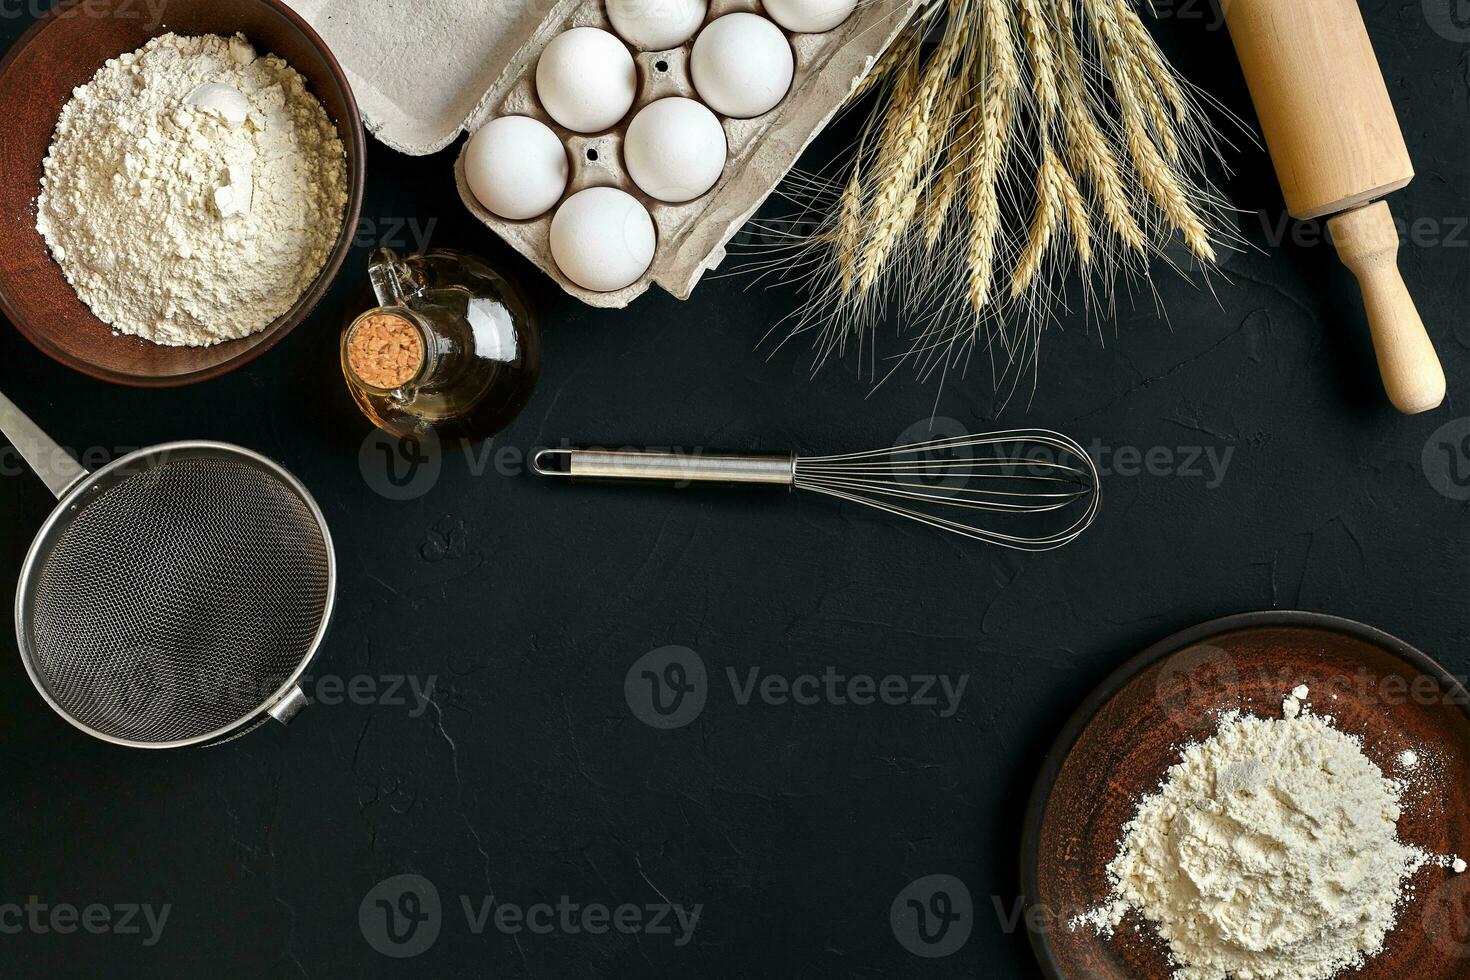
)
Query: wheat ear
[
  {"x": 1000, "y": 86},
  {"x": 907, "y": 150},
  {"x": 1037, "y": 31},
  {"x": 1088, "y": 149},
  {"x": 1078, "y": 218},
  {"x": 1049, "y": 211},
  {"x": 1117, "y": 27},
  {"x": 1154, "y": 172},
  {"x": 950, "y": 177},
  {"x": 848, "y": 235},
  {"x": 877, "y": 147},
  {"x": 1143, "y": 45},
  {"x": 1057, "y": 195}
]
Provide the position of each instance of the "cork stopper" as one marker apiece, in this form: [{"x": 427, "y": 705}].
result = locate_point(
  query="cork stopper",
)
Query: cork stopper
[{"x": 385, "y": 351}]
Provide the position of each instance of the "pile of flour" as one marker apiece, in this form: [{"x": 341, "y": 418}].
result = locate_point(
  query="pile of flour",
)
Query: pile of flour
[
  {"x": 194, "y": 190},
  {"x": 1270, "y": 852}
]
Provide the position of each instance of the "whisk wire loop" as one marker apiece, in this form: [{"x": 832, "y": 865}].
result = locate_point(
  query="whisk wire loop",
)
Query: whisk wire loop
[{"x": 1017, "y": 472}]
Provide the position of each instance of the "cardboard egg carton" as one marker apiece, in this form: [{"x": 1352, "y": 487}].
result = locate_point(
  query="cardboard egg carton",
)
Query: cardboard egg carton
[{"x": 385, "y": 51}]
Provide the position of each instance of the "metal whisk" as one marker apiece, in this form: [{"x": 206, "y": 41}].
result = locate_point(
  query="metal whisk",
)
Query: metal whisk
[{"x": 1037, "y": 490}]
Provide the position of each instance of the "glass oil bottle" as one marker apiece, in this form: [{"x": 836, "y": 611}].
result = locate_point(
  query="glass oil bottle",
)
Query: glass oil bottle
[{"x": 452, "y": 347}]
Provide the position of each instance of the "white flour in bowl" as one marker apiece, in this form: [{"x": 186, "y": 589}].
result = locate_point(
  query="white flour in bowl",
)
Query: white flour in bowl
[
  {"x": 1270, "y": 852},
  {"x": 194, "y": 190}
]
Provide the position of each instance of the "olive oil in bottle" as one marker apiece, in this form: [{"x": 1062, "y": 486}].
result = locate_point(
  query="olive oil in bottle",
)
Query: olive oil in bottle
[{"x": 452, "y": 346}]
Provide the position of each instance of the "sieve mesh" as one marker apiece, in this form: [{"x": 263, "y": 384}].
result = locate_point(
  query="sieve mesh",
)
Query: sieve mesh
[{"x": 175, "y": 602}]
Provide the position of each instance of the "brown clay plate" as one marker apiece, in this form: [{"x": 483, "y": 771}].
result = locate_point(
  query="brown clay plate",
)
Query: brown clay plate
[
  {"x": 1117, "y": 746},
  {"x": 63, "y": 50}
]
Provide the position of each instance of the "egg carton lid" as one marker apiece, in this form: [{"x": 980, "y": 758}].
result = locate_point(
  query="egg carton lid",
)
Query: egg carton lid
[{"x": 421, "y": 69}]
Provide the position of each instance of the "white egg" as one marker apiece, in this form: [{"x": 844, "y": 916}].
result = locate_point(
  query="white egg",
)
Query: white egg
[
  {"x": 586, "y": 80},
  {"x": 603, "y": 239},
  {"x": 809, "y": 16},
  {"x": 654, "y": 25},
  {"x": 675, "y": 150},
  {"x": 517, "y": 167},
  {"x": 742, "y": 65}
]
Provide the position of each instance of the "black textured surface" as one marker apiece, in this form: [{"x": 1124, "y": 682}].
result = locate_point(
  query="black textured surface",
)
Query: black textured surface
[{"x": 794, "y": 827}]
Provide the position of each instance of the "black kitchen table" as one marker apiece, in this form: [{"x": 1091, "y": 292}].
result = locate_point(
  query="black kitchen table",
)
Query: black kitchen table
[{"x": 493, "y": 783}]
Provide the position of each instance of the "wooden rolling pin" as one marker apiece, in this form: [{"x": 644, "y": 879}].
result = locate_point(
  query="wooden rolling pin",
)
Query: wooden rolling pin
[{"x": 1338, "y": 148}]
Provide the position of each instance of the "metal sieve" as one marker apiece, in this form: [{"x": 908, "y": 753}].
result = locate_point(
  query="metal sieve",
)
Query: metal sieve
[{"x": 176, "y": 596}]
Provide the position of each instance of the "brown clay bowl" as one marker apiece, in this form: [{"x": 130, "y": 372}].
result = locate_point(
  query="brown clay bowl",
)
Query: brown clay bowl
[
  {"x": 1117, "y": 746},
  {"x": 63, "y": 50}
]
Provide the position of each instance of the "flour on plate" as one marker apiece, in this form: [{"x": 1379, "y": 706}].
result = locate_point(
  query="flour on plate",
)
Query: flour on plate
[
  {"x": 194, "y": 190},
  {"x": 1270, "y": 851}
]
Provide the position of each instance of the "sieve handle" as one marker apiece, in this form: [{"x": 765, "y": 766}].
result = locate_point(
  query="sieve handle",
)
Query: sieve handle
[
  {"x": 286, "y": 709},
  {"x": 49, "y": 461}
]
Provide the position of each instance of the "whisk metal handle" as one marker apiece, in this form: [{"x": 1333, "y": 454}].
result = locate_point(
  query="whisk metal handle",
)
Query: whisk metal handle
[
  {"x": 642, "y": 467},
  {"x": 49, "y": 461}
]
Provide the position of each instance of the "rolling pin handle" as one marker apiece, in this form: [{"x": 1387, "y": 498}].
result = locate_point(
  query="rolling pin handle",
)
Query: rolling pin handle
[{"x": 1368, "y": 242}]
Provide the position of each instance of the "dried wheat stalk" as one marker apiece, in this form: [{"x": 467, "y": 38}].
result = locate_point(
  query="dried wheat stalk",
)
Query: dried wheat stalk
[{"x": 1036, "y": 139}]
